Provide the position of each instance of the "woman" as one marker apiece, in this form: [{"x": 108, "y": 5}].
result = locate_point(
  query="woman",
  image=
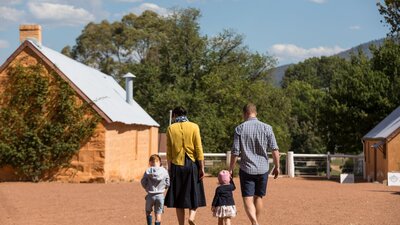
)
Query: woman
[{"x": 186, "y": 167}]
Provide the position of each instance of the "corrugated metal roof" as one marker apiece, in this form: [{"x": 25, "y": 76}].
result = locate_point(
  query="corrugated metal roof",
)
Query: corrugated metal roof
[
  {"x": 386, "y": 127},
  {"x": 100, "y": 88}
]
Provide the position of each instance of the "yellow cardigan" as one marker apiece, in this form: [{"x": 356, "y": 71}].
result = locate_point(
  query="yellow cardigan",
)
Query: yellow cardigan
[{"x": 184, "y": 137}]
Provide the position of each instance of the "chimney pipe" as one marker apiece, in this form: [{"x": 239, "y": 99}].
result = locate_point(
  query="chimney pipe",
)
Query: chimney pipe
[
  {"x": 31, "y": 32},
  {"x": 129, "y": 87}
]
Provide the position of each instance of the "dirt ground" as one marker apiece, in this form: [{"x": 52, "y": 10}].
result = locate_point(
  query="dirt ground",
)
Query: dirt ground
[{"x": 289, "y": 201}]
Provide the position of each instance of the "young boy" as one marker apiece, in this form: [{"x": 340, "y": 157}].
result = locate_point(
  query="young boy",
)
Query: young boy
[{"x": 155, "y": 180}]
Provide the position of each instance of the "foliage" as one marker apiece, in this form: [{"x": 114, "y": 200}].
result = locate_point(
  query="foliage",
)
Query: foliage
[
  {"x": 304, "y": 130},
  {"x": 355, "y": 103},
  {"x": 215, "y": 169},
  {"x": 390, "y": 10},
  {"x": 348, "y": 166},
  {"x": 318, "y": 72},
  {"x": 339, "y": 101},
  {"x": 42, "y": 123},
  {"x": 175, "y": 65},
  {"x": 387, "y": 60},
  {"x": 326, "y": 103}
]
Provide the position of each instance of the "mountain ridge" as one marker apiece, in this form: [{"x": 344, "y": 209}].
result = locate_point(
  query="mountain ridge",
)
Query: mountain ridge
[{"x": 278, "y": 72}]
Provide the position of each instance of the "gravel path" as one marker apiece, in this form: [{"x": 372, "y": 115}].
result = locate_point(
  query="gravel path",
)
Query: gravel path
[{"x": 289, "y": 202}]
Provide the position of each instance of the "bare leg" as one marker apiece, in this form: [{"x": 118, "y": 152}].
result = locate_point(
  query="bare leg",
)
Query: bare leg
[
  {"x": 250, "y": 209},
  {"x": 192, "y": 214},
  {"x": 180, "y": 214},
  {"x": 158, "y": 217},
  {"x": 259, "y": 206},
  {"x": 227, "y": 220},
  {"x": 220, "y": 221}
]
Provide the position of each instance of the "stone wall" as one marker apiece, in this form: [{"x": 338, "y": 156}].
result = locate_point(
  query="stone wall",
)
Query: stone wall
[
  {"x": 128, "y": 148},
  {"x": 88, "y": 164}
]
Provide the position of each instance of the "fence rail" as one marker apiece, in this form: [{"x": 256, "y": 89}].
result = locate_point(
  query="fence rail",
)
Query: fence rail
[{"x": 303, "y": 164}]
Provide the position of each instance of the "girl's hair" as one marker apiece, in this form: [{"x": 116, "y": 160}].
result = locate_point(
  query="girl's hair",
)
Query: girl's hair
[{"x": 155, "y": 158}]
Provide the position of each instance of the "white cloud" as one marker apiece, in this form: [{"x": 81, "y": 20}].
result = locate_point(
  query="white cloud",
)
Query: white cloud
[
  {"x": 60, "y": 13},
  {"x": 318, "y": 1},
  {"x": 289, "y": 53},
  {"x": 355, "y": 27},
  {"x": 11, "y": 14},
  {"x": 4, "y": 44},
  {"x": 153, "y": 7}
]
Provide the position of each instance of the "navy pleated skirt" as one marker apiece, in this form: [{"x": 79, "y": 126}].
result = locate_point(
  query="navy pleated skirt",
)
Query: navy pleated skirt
[{"x": 186, "y": 190}]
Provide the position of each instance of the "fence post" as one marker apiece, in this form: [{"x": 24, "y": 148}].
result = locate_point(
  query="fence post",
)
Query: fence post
[
  {"x": 228, "y": 158},
  {"x": 290, "y": 164},
  {"x": 364, "y": 169},
  {"x": 328, "y": 165}
]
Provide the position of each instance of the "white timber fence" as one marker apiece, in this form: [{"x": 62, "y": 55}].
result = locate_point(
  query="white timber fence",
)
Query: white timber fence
[{"x": 294, "y": 164}]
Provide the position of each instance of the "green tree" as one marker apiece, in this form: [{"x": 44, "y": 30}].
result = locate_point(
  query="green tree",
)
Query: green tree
[
  {"x": 317, "y": 72},
  {"x": 355, "y": 102},
  {"x": 176, "y": 65},
  {"x": 386, "y": 59},
  {"x": 306, "y": 136},
  {"x": 390, "y": 11}
]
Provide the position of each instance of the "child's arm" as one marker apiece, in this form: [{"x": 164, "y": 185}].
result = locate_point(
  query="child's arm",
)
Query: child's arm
[
  {"x": 232, "y": 184},
  {"x": 167, "y": 180},
  {"x": 144, "y": 181},
  {"x": 214, "y": 202}
]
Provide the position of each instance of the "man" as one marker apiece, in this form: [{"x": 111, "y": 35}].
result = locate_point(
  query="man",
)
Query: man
[{"x": 252, "y": 140}]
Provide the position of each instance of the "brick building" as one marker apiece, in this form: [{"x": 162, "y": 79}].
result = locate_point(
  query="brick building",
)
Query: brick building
[{"x": 123, "y": 140}]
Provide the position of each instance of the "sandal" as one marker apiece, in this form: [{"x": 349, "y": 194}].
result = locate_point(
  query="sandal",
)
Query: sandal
[{"x": 191, "y": 222}]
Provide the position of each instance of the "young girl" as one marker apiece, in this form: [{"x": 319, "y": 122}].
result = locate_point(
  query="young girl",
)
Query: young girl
[{"x": 223, "y": 205}]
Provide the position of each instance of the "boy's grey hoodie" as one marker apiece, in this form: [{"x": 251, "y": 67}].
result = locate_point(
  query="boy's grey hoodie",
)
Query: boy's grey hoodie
[{"x": 155, "y": 180}]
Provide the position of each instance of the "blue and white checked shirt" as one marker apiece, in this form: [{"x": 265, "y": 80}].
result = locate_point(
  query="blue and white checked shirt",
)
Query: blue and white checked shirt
[{"x": 251, "y": 142}]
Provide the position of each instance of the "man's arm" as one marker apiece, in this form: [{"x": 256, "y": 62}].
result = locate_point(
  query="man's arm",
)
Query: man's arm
[
  {"x": 235, "y": 152},
  {"x": 275, "y": 156},
  {"x": 233, "y": 163}
]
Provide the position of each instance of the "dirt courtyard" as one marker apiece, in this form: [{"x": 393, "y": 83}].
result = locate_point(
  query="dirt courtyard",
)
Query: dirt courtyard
[{"x": 289, "y": 201}]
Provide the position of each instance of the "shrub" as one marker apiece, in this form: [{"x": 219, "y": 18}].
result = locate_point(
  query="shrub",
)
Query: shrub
[{"x": 213, "y": 171}]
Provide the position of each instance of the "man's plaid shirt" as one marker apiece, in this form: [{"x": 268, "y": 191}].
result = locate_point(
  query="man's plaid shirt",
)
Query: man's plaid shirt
[{"x": 251, "y": 142}]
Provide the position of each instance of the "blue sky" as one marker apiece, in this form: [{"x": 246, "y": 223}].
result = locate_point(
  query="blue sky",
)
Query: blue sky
[{"x": 291, "y": 30}]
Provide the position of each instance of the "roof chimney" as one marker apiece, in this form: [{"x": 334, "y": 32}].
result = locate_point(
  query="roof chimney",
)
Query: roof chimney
[
  {"x": 129, "y": 87},
  {"x": 31, "y": 32}
]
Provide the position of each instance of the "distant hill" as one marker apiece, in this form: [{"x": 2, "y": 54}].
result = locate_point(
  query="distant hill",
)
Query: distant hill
[{"x": 279, "y": 72}]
